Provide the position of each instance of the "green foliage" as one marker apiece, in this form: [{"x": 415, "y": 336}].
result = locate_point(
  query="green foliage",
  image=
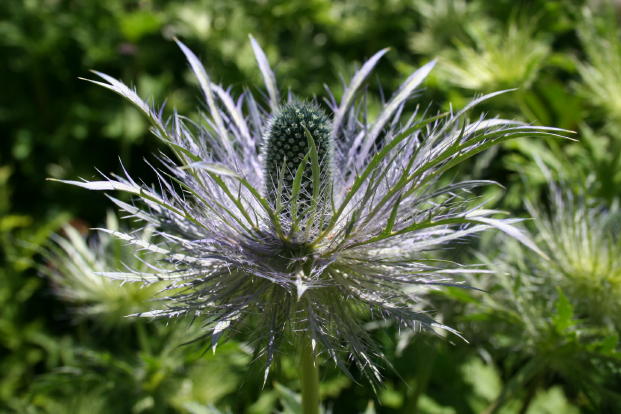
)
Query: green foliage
[
  {"x": 497, "y": 60},
  {"x": 543, "y": 311},
  {"x": 164, "y": 375},
  {"x": 601, "y": 72},
  {"x": 544, "y": 335}
]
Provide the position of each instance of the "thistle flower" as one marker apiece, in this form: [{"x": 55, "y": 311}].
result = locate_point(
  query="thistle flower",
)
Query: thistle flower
[
  {"x": 318, "y": 242},
  {"x": 601, "y": 72},
  {"x": 74, "y": 267},
  {"x": 581, "y": 239},
  {"x": 510, "y": 59},
  {"x": 564, "y": 306},
  {"x": 443, "y": 22}
]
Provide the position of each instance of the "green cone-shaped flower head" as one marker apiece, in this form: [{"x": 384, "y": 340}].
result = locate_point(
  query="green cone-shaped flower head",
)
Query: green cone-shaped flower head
[{"x": 289, "y": 143}]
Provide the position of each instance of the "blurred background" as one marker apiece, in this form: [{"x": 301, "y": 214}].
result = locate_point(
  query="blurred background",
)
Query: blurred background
[{"x": 544, "y": 336}]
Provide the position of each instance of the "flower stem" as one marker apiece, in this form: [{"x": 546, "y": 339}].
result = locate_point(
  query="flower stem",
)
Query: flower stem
[{"x": 309, "y": 376}]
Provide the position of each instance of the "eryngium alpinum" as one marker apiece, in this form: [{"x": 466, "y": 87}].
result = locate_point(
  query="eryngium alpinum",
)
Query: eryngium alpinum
[{"x": 345, "y": 230}]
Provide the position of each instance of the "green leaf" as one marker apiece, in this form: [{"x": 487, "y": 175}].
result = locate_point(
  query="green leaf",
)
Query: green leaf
[
  {"x": 13, "y": 221},
  {"x": 139, "y": 24},
  {"x": 290, "y": 400},
  {"x": 563, "y": 318},
  {"x": 552, "y": 401}
]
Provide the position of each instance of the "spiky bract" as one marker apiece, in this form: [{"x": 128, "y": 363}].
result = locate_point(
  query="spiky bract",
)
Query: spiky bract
[{"x": 231, "y": 257}]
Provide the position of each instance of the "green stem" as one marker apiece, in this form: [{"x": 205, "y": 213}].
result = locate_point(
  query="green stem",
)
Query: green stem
[
  {"x": 309, "y": 376},
  {"x": 143, "y": 338},
  {"x": 515, "y": 384},
  {"x": 424, "y": 364}
]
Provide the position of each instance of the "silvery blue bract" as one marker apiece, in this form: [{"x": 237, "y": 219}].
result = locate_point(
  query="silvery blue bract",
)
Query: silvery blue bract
[{"x": 321, "y": 253}]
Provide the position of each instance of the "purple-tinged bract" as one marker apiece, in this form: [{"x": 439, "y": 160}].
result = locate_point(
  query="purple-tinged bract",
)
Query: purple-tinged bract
[{"x": 244, "y": 243}]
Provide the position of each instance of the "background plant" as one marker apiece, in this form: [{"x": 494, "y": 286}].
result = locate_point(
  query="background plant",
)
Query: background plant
[
  {"x": 50, "y": 120},
  {"x": 562, "y": 305}
]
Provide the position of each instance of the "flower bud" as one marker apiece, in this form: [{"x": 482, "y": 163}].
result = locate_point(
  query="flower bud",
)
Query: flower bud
[{"x": 287, "y": 143}]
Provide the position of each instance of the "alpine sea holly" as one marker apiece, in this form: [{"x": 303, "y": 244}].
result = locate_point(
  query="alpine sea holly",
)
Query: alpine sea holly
[
  {"x": 74, "y": 264},
  {"x": 314, "y": 240}
]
